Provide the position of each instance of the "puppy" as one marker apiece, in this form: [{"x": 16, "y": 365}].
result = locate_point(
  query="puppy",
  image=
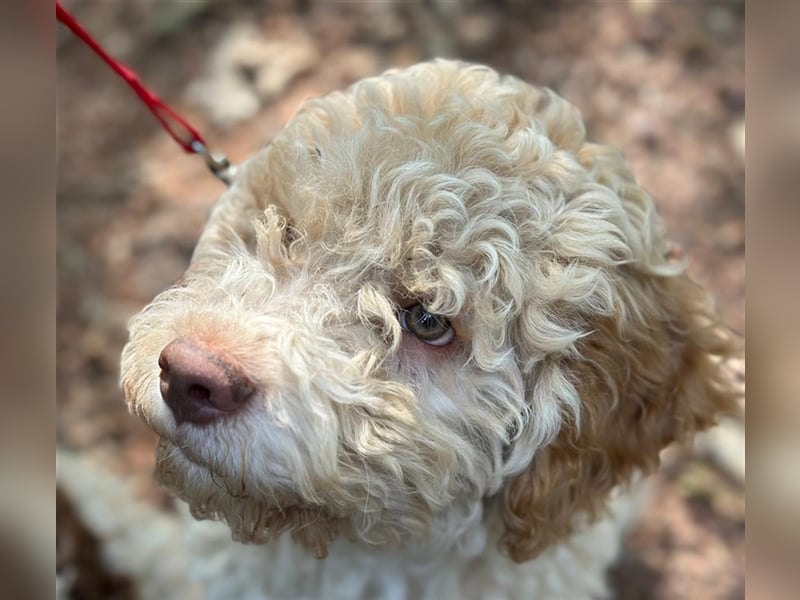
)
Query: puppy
[{"x": 430, "y": 333}]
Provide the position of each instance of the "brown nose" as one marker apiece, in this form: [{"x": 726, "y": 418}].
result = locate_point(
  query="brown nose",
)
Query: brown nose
[{"x": 198, "y": 385}]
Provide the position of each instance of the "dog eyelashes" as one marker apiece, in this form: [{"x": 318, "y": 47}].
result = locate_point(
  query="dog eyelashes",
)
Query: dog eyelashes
[{"x": 432, "y": 329}]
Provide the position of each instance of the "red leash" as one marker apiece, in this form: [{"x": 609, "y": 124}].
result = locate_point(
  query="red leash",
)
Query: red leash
[{"x": 176, "y": 126}]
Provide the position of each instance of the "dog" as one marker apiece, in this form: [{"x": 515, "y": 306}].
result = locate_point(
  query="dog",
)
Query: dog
[{"x": 427, "y": 341}]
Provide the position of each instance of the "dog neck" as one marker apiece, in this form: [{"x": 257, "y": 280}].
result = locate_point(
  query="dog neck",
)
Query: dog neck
[{"x": 471, "y": 566}]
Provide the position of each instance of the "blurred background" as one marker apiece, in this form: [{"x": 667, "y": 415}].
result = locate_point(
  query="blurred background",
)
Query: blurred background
[{"x": 662, "y": 80}]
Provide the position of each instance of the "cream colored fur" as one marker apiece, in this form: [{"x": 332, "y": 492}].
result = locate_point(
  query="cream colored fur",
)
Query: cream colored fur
[{"x": 483, "y": 468}]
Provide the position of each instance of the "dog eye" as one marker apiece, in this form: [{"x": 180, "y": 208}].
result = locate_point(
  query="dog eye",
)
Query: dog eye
[{"x": 431, "y": 329}]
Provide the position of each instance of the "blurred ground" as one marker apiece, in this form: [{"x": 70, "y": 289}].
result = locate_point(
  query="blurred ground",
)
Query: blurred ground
[{"x": 662, "y": 80}]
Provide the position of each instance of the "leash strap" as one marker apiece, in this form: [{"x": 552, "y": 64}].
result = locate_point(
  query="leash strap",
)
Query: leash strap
[{"x": 178, "y": 128}]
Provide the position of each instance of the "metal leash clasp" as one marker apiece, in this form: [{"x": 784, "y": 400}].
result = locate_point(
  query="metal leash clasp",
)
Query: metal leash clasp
[
  {"x": 175, "y": 125},
  {"x": 217, "y": 163}
]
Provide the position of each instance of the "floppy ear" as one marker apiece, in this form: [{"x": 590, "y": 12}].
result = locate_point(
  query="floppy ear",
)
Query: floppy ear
[{"x": 649, "y": 370}]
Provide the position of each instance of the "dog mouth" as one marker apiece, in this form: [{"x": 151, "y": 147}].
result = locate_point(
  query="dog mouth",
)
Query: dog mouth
[
  {"x": 252, "y": 518},
  {"x": 178, "y": 464}
]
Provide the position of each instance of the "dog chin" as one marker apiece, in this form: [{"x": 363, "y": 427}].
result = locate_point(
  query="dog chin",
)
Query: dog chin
[{"x": 252, "y": 520}]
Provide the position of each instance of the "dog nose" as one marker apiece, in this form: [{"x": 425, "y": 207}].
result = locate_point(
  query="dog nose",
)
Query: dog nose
[{"x": 198, "y": 385}]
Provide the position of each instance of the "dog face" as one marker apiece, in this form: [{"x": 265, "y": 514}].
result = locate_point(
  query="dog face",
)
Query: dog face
[{"x": 427, "y": 292}]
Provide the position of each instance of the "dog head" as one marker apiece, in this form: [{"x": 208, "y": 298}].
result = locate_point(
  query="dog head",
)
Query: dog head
[{"x": 426, "y": 292}]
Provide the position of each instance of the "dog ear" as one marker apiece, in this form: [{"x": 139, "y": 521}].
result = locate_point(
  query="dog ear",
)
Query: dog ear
[
  {"x": 650, "y": 374},
  {"x": 618, "y": 334}
]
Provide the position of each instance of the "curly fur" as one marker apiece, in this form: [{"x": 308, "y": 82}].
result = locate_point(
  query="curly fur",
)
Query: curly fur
[{"x": 581, "y": 349}]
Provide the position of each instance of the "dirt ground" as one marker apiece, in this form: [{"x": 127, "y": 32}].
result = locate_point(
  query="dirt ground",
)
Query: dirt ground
[{"x": 662, "y": 80}]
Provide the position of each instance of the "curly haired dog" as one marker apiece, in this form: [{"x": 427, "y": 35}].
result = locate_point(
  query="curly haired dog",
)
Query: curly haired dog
[{"x": 429, "y": 333}]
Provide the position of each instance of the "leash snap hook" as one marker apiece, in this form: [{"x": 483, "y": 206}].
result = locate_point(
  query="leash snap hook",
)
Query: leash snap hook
[{"x": 218, "y": 164}]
